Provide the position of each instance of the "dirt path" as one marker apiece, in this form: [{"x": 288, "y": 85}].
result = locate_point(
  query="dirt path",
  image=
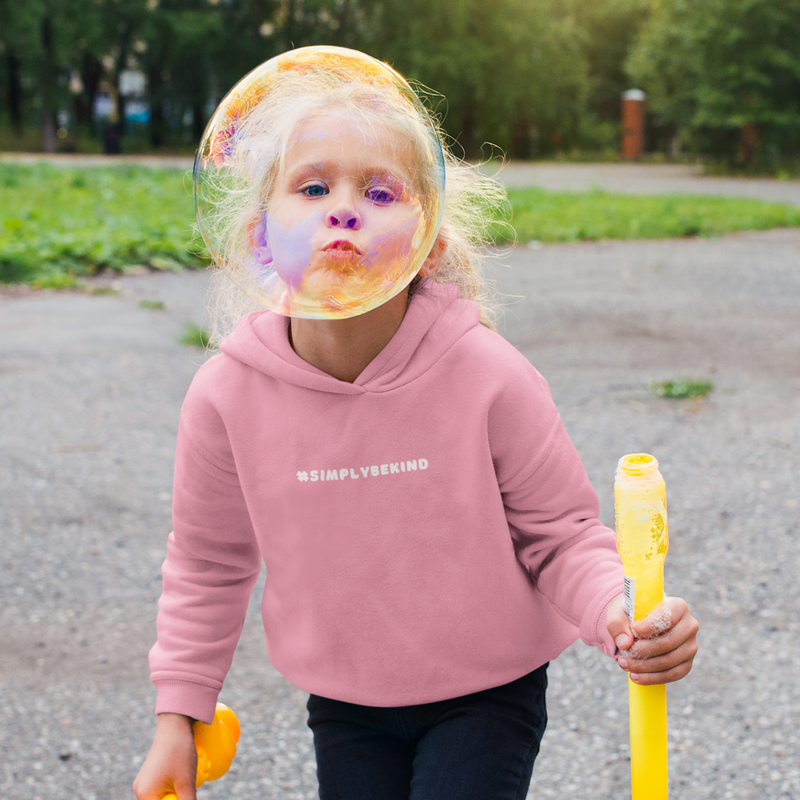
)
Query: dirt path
[{"x": 90, "y": 391}]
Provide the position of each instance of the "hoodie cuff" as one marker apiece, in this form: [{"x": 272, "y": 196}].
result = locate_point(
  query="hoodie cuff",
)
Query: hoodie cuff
[{"x": 184, "y": 697}]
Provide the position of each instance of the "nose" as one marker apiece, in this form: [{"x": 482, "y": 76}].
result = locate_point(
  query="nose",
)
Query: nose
[{"x": 344, "y": 215}]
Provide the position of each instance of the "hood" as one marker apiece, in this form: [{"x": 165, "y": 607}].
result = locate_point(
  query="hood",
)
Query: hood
[{"x": 435, "y": 320}]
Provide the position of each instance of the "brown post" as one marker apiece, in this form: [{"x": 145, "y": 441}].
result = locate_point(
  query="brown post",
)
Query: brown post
[{"x": 633, "y": 124}]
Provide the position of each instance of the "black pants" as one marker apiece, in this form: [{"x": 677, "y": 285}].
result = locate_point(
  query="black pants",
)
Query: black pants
[{"x": 478, "y": 747}]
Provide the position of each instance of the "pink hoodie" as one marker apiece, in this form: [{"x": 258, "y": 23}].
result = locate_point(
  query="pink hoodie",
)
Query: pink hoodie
[{"x": 428, "y": 531}]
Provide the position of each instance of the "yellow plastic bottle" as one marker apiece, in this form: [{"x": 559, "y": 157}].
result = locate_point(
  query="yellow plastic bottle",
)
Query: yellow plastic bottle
[
  {"x": 642, "y": 541},
  {"x": 216, "y": 746}
]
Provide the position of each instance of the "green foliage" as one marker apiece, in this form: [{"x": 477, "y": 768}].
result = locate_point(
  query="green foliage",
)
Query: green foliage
[
  {"x": 608, "y": 30},
  {"x": 56, "y": 280},
  {"x": 782, "y": 168},
  {"x": 723, "y": 64},
  {"x": 516, "y": 73},
  {"x": 194, "y": 336},
  {"x": 156, "y": 305},
  {"x": 510, "y": 71},
  {"x": 531, "y": 76},
  {"x": 682, "y": 388},
  {"x": 537, "y": 214},
  {"x": 79, "y": 221}
]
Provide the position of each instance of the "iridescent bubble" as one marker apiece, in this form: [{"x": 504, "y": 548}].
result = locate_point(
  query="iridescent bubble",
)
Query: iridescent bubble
[{"x": 319, "y": 183}]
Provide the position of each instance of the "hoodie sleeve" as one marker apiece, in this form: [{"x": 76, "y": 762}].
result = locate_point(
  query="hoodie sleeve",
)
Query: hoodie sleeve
[
  {"x": 552, "y": 509},
  {"x": 211, "y": 566}
]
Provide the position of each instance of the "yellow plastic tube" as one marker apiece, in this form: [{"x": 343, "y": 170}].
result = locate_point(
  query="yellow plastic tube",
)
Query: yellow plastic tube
[
  {"x": 216, "y": 746},
  {"x": 642, "y": 541}
]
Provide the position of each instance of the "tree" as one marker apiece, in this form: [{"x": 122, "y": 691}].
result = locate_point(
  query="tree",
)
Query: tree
[
  {"x": 509, "y": 70},
  {"x": 44, "y": 42},
  {"x": 609, "y": 29},
  {"x": 723, "y": 65}
]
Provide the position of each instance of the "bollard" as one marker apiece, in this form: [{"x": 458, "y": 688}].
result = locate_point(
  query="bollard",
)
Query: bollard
[
  {"x": 633, "y": 124},
  {"x": 642, "y": 541}
]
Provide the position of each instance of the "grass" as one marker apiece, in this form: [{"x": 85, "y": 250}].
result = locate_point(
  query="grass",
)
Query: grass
[
  {"x": 682, "y": 388},
  {"x": 72, "y": 222},
  {"x": 544, "y": 216},
  {"x": 157, "y": 305},
  {"x": 58, "y": 224},
  {"x": 53, "y": 279},
  {"x": 195, "y": 336}
]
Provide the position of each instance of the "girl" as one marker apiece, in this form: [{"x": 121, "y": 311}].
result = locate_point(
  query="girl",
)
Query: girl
[{"x": 430, "y": 536}]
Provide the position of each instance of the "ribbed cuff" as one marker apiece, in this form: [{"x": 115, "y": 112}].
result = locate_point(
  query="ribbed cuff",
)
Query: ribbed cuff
[{"x": 184, "y": 697}]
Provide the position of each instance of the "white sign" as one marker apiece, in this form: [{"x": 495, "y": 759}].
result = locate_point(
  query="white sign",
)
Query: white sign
[{"x": 131, "y": 82}]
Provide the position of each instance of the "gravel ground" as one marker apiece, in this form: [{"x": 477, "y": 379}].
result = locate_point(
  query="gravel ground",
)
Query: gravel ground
[{"x": 90, "y": 391}]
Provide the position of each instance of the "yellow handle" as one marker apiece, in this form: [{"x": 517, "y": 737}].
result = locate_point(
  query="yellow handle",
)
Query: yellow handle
[
  {"x": 642, "y": 541},
  {"x": 648, "y": 712},
  {"x": 216, "y": 746}
]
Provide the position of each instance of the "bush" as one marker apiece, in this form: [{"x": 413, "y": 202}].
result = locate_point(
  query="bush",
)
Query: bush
[{"x": 80, "y": 221}]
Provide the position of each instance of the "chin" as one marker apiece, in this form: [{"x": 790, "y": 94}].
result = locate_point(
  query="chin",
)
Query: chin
[{"x": 339, "y": 287}]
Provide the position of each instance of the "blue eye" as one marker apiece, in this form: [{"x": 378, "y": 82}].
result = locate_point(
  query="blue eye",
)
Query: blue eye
[
  {"x": 381, "y": 196},
  {"x": 315, "y": 190}
]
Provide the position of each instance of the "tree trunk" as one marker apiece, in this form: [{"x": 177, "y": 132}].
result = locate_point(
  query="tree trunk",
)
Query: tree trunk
[
  {"x": 91, "y": 72},
  {"x": 14, "y": 90},
  {"x": 48, "y": 88},
  {"x": 156, "y": 91},
  {"x": 124, "y": 47},
  {"x": 48, "y": 128},
  {"x": 749, "y": 143},
  {"x": 198, "y": 122},
  {"x": 157, "y": 58},
  {"x": 521, "y": 138},
  {"x": 467, "y": 137}
]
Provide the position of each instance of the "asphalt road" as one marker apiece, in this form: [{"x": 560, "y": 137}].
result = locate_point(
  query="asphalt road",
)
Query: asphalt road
[{"x": 90, "y": 392}]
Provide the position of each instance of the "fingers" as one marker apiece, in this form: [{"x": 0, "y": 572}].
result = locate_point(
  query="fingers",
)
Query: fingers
[
  {"x": 666, "y": 668},
  {"x": 667, "y": 652},
  {"x": 171, "y": 764},
  {"x": 618, "y": 624},
  {"x": 186, "y": 791},
  {"x": 661, "y": 619},
  {"x": 684, "y": 630}
]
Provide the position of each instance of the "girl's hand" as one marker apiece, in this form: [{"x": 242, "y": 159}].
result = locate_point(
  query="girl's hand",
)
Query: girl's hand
[
  {"x": 659, "y": 648},
  {"x": 171, "y": 764}
]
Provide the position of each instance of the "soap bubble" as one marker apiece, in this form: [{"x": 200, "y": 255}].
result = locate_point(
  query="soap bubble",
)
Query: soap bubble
[{"x": 319, "y": 183}]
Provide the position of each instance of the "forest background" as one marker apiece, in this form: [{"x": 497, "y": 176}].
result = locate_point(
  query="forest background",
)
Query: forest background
[{"x": 535, "y": 78}]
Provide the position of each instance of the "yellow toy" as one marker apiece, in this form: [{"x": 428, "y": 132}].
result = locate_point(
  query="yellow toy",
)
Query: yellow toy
[
  {"x": 642, "y": 541},
  {"x": 216, "y": 746}
]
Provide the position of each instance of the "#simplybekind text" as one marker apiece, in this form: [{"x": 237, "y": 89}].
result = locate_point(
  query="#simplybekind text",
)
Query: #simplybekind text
[{"x": 374, "y": 471}]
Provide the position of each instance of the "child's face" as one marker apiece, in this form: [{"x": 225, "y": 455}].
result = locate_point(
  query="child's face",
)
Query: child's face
[{"x": 343, "y": 213}]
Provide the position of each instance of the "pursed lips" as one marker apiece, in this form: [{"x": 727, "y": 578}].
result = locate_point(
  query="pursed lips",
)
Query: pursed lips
[{"x": 341, "y": 249}]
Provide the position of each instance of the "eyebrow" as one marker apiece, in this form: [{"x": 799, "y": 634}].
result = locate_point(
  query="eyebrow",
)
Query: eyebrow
[{"x": 325, "y": 169}]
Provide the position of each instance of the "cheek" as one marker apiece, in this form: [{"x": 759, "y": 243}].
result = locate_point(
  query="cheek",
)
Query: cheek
[
  {"x": 394, "y": 238},
  {"x": 291, "y": 245}
]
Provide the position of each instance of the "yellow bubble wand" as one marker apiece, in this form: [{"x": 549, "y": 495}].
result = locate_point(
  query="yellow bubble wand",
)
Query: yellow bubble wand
[
  {"x": 216, "y": 746},
  {"x": 642, "y": 541}
]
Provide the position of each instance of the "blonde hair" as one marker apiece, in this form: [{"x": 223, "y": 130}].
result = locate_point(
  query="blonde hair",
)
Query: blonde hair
[{"x": 258, "y": 150}]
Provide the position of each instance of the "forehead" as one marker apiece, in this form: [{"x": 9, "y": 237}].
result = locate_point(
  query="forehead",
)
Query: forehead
[{"x": 336, "y": 144}]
